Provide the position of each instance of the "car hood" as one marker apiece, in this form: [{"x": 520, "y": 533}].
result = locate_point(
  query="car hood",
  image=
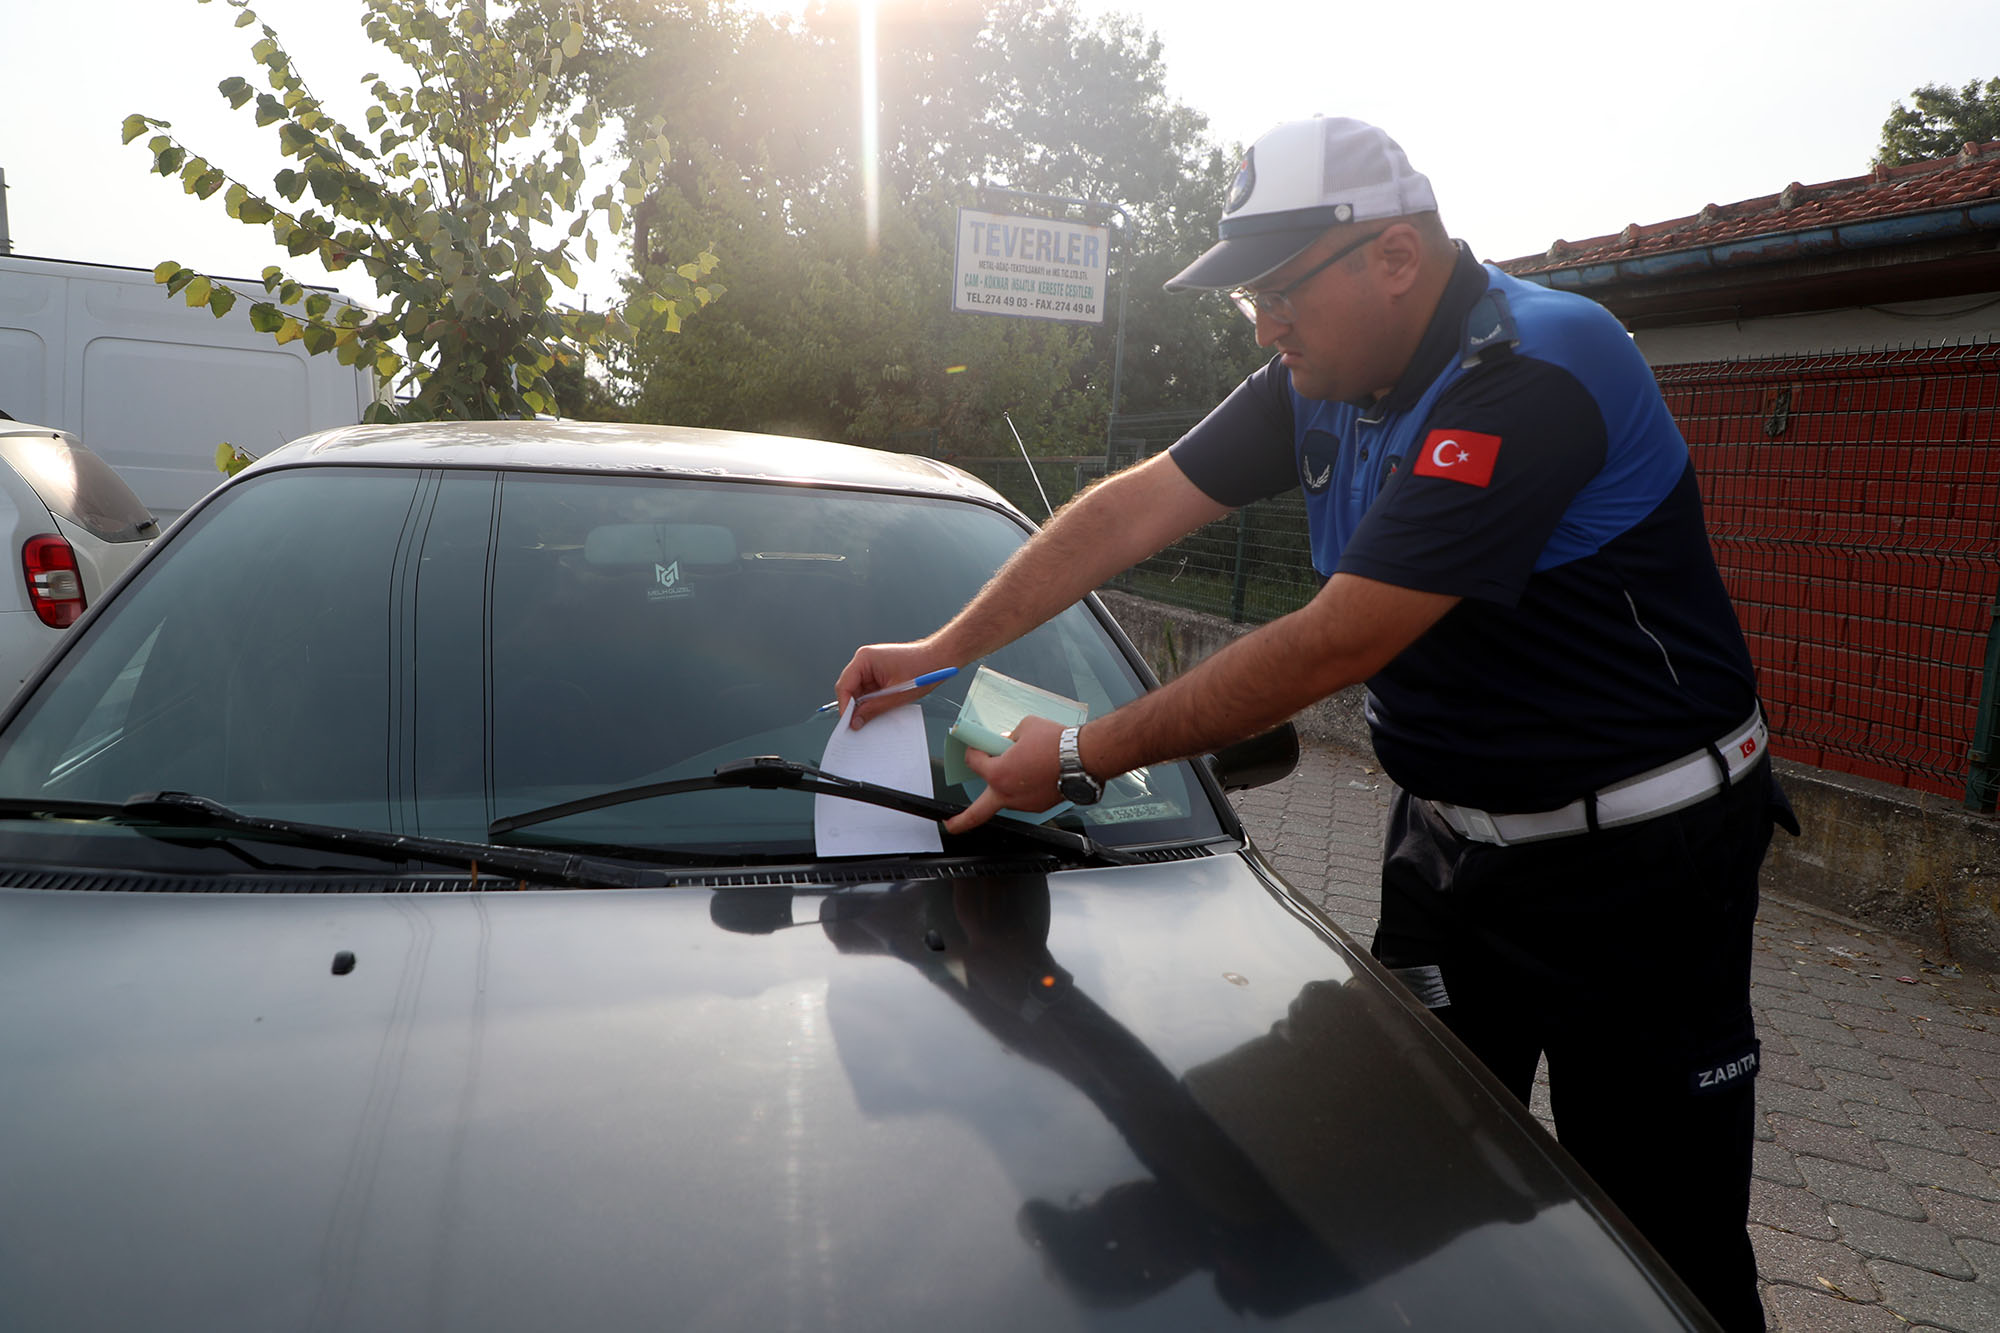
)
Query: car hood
[{"x": 1153, "y": 1097}]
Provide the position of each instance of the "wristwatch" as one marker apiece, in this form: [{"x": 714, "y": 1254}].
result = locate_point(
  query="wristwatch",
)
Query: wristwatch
[{"x": 1076, "y": 785}]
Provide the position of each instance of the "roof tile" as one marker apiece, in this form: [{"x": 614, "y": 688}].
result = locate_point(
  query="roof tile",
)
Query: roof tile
[{"x": 1968, "y": 176}]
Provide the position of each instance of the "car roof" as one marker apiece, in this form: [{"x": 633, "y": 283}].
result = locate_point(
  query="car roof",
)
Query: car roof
[
  {"x": 30, "y": 428},
  {"x": 586, "y": 446}
]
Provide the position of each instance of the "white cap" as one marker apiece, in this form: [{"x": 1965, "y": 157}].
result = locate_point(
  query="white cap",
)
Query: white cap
[{"x": 1296, "y": 181}]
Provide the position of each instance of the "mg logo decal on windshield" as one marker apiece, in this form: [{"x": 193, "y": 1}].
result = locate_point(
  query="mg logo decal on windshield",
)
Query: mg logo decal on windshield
[{"x": 667, "y": 584}]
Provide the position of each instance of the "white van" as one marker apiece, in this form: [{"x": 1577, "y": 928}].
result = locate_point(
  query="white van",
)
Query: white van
[{"x": 152, "y": 385}]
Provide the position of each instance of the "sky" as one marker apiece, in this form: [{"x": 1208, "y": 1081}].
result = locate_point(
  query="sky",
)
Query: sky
[{"x": 1536, "y": 120}]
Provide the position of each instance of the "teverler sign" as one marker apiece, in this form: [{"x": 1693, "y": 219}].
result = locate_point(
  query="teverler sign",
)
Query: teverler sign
[{"x": 1032, "y": 268}]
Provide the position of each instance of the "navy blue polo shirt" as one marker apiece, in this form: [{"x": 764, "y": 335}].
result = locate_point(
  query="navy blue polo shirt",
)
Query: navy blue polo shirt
[{"x": 1526, "y": 463}]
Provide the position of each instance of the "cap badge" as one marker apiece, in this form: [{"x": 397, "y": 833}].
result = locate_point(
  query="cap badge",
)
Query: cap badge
[
  {"x": 1343, "y": 212},
  {"x": 1246, "y": 181}
]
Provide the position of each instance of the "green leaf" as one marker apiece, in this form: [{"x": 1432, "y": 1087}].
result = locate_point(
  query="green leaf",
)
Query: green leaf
[
  {"x": 293, "y": 140},
  {"x": 168, "y": 161},
  {"x": 289, "y": 331},
  {"x": 255, "y": 212},
  {"x": 236, "y": 91},
  {"x": 220, "y": 300},
  {"x": 209, "y": 182},
  {"x": 317, "y": 304},
  {"x": 266, "y": 318},
  {"x": 272, "y": 277},
  {"x": 317, "y": 338},
  {"x": 135, "y": 125},
  {"x": 269, "y": 110},
  {"x": 197, "y": 292},
  {"x": 180, "y": 280},
  {"x": 165, "y": 272},
  {"x": 245, "y": 19}
]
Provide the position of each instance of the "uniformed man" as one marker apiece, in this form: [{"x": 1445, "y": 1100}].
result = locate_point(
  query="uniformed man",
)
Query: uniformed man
[{"x": 1515, "y": 561}]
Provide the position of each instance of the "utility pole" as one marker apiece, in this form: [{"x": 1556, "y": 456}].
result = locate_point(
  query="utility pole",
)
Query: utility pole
[{"x": 6, "y": 241}]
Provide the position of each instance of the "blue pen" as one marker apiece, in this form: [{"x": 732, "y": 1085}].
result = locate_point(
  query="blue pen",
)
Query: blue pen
[{"x": 928, "y": 678}]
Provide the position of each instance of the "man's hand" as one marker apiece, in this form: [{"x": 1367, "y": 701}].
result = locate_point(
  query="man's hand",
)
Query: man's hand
[
  {"x": 877, "y": 666},
  {"x": 1023, "y": 778}
]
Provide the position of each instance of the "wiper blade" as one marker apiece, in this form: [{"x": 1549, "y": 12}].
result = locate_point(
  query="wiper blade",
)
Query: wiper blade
[
  {"x": 183, "y": 810},
  {"x": 771, "y": 772}
]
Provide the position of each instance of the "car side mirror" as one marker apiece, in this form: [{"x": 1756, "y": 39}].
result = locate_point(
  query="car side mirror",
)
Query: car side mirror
[{"x": 1258, "y": 761}]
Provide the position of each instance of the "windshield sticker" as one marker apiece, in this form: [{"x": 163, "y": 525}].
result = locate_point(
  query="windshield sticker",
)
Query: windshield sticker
[
  {"x": 1127, "y": 814},
  {"x": 667, "y": 584}
]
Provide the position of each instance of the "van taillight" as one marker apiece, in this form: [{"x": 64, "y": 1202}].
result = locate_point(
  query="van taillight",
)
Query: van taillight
[{"x": 54, "y": 586}]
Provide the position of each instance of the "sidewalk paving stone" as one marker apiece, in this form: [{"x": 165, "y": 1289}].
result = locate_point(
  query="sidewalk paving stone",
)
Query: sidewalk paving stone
[
  {"x": 1796, "y": 1212},
  {"x": 1960, "y": 1175},
  {"x": 1918, "y": 1244},
  {"x": 1981, "y": 1147},
  {"x": 1851, "y": 1087},
  {"x": 1914, "y": 1074},
  {"x": 1818, "y": 1029},
  {"x": 1893, "y": 1126},
  {"x": 1816, "y": 1265},
  {"x": 1923, "y": 1297},
  {"x": 1772, "y": 1161},
  {"x": 1813, "y": 1138},
  {"x": 1796, "y": 1310},
  {"x": 1855, "y": 1059},
  {"x": 1963, "y": 1218},
  {"x": 1962, "y": 1112},
  {"x": 1841, "y": 1182}
]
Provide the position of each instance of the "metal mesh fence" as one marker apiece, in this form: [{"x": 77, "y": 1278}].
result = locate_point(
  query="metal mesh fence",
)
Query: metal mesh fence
[{"x": 1248, "y": 568}]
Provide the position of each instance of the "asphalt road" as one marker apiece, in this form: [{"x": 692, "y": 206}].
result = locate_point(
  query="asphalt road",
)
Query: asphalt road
[{"x": 1876, "y": 1202}]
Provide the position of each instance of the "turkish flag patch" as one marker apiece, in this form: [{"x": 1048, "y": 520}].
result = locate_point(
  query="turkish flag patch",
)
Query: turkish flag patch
[{"x": 1458, "y": 455}]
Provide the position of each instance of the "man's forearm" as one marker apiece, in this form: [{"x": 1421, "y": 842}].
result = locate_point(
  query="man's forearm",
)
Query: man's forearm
[{"x": 1351, "y": 631}]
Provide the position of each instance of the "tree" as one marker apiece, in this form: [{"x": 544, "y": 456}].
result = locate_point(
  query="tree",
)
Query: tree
[
  {"x": 462, "y": 206},
  {"x": 830, "y": 331},
  {"x": 1940, "y": 122}
]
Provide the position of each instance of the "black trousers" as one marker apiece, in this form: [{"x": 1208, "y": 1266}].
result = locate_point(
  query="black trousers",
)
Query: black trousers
[{"x": 1624, "y": 956}]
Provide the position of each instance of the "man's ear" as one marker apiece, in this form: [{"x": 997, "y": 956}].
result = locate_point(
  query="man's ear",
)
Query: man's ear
[{"x": 1401, "y": 249}]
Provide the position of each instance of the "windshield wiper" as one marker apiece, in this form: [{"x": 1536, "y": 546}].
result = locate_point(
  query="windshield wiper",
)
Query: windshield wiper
[
  {"x": 182, "y": 810},
  {"x": 771, "y": 772}
]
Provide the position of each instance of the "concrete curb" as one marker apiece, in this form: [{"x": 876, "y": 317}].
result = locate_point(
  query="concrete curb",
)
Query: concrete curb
[{"x": 1918, "y": 865}]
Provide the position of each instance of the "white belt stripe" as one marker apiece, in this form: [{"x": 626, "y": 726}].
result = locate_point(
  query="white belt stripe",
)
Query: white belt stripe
[{"x": 1670, "y": 787}]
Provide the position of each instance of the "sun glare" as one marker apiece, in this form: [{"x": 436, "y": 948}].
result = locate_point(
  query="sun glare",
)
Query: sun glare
[{"x": 871, "y": 137}]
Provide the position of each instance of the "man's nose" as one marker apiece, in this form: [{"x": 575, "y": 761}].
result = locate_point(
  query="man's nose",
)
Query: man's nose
[{"x": 1269, "y": 326}]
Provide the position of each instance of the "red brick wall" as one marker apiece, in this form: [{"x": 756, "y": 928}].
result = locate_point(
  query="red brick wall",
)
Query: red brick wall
[{"x": 1854, "y": 503}]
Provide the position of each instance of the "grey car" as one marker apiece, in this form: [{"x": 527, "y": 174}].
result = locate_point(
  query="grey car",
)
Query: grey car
[{"x": 411, "y": 918}]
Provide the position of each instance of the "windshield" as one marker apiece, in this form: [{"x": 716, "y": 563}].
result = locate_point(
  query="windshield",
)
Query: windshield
[
  {"x": 427, "y": 651},
  {"x": 78, "y": 485}
]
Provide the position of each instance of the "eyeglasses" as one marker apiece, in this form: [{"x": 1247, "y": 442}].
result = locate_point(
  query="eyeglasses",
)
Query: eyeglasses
[{"x": 1277, "y": 303}]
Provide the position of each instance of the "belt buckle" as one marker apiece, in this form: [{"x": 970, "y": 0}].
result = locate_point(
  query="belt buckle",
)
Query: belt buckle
[{"x": 1479, "y": 826}]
